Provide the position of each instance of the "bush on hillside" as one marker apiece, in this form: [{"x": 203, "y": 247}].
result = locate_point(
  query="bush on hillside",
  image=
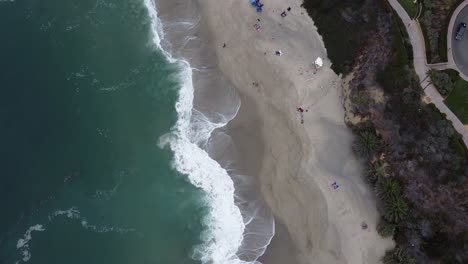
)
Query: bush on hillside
[
  {"x": 386, "y": 229},
  {"x": 442, "y": 81},
  {"x": 367, "y": 143},
  {"x": 397, "y": 256}
]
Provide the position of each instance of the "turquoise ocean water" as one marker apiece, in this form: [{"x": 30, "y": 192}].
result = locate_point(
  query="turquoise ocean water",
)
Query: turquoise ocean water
[{"x": 85, "y": 97}]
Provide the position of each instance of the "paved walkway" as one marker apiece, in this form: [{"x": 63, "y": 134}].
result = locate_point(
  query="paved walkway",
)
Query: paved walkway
[{"x": 421, "y": 68}]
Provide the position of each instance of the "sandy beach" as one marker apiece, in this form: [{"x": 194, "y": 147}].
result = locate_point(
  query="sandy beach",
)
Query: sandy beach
[{"x": 296, "y": 162}]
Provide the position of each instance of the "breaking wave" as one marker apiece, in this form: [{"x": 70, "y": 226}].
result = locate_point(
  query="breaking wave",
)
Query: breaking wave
[{"x": 233, "y": 236}]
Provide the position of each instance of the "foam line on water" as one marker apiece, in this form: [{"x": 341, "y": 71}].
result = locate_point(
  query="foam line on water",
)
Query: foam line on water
[
  {"x": 225, "y": 234},
  {"x": 23, "y": 243},
  {"x": 73, "y": 214}
]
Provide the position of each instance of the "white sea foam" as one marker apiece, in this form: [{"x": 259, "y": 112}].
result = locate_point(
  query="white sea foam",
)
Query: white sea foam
[
  {"x": 23, "y": 243},
  {"x": 105, "y": 229},
  {"x": 226, "y": 226},
  {"x": 72, "y": 213}
]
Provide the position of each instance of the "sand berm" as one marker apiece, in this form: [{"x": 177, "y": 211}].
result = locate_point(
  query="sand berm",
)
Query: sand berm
[{"x": 296, "y": 162}]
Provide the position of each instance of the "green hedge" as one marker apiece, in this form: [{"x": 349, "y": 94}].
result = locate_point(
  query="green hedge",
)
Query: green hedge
[{"x": 457, "y": 100}]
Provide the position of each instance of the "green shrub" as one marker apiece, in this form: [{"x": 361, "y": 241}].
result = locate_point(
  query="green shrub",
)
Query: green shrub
[
  {"x": 386, "y": 229},
  {"x": 442, "y": 81},
  {"x": 387, "y": 188},
  {"x": 397, "y": 256},
  {"x": 367, "y": 143},
  {"x": 396, "y": 209},
  {"x": 376, "y": 171},
  {"x": 360, "y": 98},
  {"x": 343, "y": 35},
  {"x": 457, "y": 100}
]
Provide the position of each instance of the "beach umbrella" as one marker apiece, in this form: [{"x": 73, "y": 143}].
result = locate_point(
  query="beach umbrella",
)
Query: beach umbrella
[{"x": 318, "y": 62}]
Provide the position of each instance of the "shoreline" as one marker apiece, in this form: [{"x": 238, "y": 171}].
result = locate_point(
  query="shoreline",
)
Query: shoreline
[
  {"x": 187, "y": 36},
  {"x": 299, "y": 161},
  {"x": 243, "y": 131},
  {"x": 293, "y": 163}
]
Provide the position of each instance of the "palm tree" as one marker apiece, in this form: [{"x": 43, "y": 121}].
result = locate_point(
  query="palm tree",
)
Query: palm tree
[
  {"x": 397, "y": 256},
  {"x": 395, "y": 209},
  {"x": 377, "y": 171},
  {"x": 389, "y": 259},
  {"x": 387, "y": 188},
  {"x": 367, "y": 143},
  {"x": 386, "y": 229}
]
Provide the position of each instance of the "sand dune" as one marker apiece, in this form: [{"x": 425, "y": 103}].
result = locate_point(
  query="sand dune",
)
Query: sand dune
[{"x": 298, "y": 162}]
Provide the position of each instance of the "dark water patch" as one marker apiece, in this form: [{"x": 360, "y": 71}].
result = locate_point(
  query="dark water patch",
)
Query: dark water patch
[{"x": 85, "y": 96}]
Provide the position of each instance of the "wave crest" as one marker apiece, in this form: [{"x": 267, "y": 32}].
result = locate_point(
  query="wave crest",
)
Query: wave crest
[{"x": 239, "y": 228}]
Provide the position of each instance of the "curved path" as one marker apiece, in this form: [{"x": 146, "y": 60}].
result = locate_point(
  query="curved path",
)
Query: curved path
[
  {"x": 421, "y": 68},
  {"x": 459, "y": 48}
]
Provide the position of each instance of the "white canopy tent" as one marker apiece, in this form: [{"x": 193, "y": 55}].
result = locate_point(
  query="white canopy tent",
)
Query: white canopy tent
[{"x": 318, "y": 62}]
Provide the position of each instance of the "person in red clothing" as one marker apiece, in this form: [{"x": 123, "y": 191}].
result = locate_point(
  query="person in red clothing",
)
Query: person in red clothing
[{"x": 301, "y": 112}]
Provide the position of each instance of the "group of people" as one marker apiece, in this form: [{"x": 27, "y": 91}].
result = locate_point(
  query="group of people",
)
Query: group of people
[
  {"x": 284, "y": 14},
  {"x": 318, "y": 63},
  {"x": 257, "y": 4}
]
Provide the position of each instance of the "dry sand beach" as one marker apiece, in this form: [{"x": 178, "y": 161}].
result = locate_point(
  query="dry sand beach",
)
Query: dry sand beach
[{"x": 298, "y": 162}]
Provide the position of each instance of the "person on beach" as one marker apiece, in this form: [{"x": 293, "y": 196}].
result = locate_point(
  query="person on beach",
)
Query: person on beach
[
  {"x": 364, "y": 225},
  {"x": 335, "y": 186},
  {"x": 301, "y": 113},
  {"x": 257, "y": 27}
]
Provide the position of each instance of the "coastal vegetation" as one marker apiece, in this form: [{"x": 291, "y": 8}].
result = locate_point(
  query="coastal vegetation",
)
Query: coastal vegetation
[
  {"x": 397, "y": 255},
  {"x": 417, "y": 162},
  {"x": 343, "y": 24},
  {"x": 434, "y": 18},
  {"x": 454, "y": 89},
  {"x": 457, "y": 100},
  {"x": 442, "y": 81},
  {"x": 434, "y": 21},
  {"x": 367, "y": 143}
]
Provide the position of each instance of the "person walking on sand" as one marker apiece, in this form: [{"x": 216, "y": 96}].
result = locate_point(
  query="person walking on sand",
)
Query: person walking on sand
[{"x": 301, "y": 113}]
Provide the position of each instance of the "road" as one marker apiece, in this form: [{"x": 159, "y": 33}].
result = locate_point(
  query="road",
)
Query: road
[{"x": 460, "y": 47}]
